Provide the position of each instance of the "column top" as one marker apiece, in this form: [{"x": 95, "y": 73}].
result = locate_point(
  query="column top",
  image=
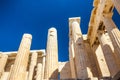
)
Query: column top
[
  {"x": 52, "y": 29},
  {"x": 71, "y": 20},
  {"x": 52, "y": 32},
  {"x": 26, "y": 35},
  {"x": 74, "y": 19}
]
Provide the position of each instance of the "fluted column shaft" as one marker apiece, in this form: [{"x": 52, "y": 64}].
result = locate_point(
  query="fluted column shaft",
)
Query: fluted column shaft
[
  {"x": 79, "y": 49},
  {"x": 71, "y": 59},
  {"x": 109, "y": 56},
  {"x": 39, "y": 71},
  {"x": 101, "y": 62},
  {"x": 32, "y": 65},
  {"x": 114, "y": 34},
  {"x": 3, "y": 61},
  {"x": 51, "y": 70},
  {"x": 43, "y": 67},
  {"x": 21, "y": 61}
]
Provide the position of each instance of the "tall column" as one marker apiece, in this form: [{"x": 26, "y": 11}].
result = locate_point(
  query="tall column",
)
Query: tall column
[
  {"x": 71, "y": 58},
  {"x": 108, "y": 54},
  {"x": 79, "y": 48},
  {"x": 101, "y": 63},
  {"x": 21, "y": 61},
  {"x": 3, "y": 61},
  {"x": 43, "y": 67},
  {"x": 114, "y": 34},
  {"x": 32, "y": 65},
  {"x": 39, "y": 71},
  {"x": 51, "y": 70}
]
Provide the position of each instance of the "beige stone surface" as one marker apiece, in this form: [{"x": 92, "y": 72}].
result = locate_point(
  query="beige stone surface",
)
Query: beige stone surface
[
  {"x": 114, "y": 34},
  {"x": 101, "y": 8},
  {"x": 39, "y": 72},
  {"x": 92, "y": 56},
  {"x": 79, "y": 49},
  {"x": 32, "y": 65},
  {"x": 43, "y": 67},
  {"x": 91, "y": 61},
  {"x": 21, "y": 61},
  {"x": 102, "y": 65},
  {"x": 72, "y": 59},
  {"x": 51, "y": 68},
  {"x": 4, "y": 76},
  {"x": 3, "y": 61},
  {"x": 65, "y": 71},
  {"x": 11, "y": 67},
  {"x": 109, "y": 56}
]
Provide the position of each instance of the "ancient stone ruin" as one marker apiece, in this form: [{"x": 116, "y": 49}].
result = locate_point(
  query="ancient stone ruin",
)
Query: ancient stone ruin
[{"x": 94, "y": 56}]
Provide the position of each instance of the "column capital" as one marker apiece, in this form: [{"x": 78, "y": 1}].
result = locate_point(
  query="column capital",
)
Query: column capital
[
  {"x": 26, "y": 35},
  {"x": 52, "y": 31},
  {"x": 71, "y": 20}
]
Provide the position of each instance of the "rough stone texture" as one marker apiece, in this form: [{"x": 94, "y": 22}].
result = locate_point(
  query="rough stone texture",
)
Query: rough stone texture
[{"x": 101, "y": 8}]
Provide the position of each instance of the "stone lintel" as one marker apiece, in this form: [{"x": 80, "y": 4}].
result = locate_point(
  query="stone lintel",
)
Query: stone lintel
[{"x": 12, "y": 54}]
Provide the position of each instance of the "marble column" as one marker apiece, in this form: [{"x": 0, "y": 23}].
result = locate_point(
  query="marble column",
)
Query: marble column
[
  {"x": 108, "y": 54},
  {"x": 114, "y": 34},
  {"x": 51, "y": 70},
  {"x": 79, "y": 48},
  {"x": 21, "y": 61},
  {"x": 72, "y": 60},
  {"x": 39, "y": 71},
  {"x": 3, "y": 61},
  {"x": 32, "y": 65},
  {"x": 43, "y": 66},
  {"x": 101, "y": 63}
]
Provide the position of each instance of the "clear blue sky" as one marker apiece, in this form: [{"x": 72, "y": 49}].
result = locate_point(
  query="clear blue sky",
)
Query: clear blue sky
[{"x": 37, "y": 16}]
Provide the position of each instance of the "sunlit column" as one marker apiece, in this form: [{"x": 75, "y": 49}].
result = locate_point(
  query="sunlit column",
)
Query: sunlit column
[
  {"x": 114, "y": 34},
  {"x": 32, "y": 65},
  {"x": 108, "y": 54},
  {"x": 21, "y": 61},
  {"x": 51, "y": 70},
  {"x": 79, "y": 49}
]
